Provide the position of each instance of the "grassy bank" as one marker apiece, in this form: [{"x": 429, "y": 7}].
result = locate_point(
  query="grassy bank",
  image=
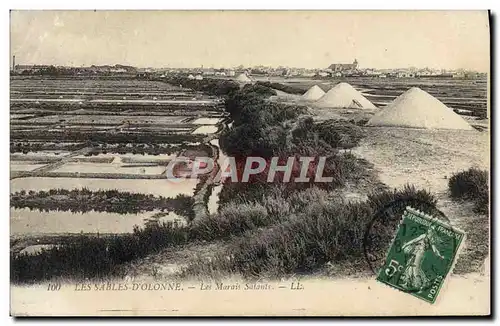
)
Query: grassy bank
[
  {"x": 284, "y": 88},
  {"x": 274, "y": 237},
  {"x": 301, "y": 239},
  {"x": 26, "y": 147},
  {"x": 471, "y": 185},
  {"x": 90, "y": 257},
  {"x": 92, "y": 136},
  {"x": 84, "y": 200}
]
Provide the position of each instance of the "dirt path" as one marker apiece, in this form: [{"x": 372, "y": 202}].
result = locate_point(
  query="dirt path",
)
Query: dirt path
[
  {"x": 424, "y": 158},
  {"x": 168, "y": 262},
  {"x": 428, "y": 159}
]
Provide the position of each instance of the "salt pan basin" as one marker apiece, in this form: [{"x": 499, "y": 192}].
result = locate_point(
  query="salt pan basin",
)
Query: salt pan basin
[
  {"x": 157, "y": 187},
  {"x": 206, "y": 121},
  {"x": 85, "y": 167},
  {"x": 24, "y": 166},
  {"x": 129, "y": 157},
  {"x": 25, "y": 221},
  {"x": 205, "y": 130}
]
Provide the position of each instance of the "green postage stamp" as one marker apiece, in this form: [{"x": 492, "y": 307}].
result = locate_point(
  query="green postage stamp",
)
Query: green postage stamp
[{"x": 421, "y": 255}]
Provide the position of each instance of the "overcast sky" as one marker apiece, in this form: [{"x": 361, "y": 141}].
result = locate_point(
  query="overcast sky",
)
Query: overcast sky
[{"x": 311, "y": 39}]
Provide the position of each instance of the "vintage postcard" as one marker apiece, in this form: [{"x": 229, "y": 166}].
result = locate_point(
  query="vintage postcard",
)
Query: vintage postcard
[{"x": 249, "y": 163}]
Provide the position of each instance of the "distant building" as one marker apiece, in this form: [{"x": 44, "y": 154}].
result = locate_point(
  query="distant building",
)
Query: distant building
[
  {"x": 405, "y": 74},
  {"x": 30, "y": 68},
  {"x": 118, "y": 70},
  {"x": 308, "y": 74},
  {"x": 22, "y": 67},
  {"x": 344, "y": 66}
]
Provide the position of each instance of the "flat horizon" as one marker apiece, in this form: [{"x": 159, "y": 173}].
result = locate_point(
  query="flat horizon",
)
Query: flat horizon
[
  {"x": 449, "y": 40},
  {"x": 234, "y": 67}
]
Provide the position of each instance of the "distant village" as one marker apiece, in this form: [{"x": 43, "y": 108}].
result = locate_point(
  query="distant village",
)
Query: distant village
[{"x": 335, "y": 70}]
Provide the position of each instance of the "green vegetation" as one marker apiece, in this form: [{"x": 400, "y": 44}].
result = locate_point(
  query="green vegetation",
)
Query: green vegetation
[
  {"x": 471, "y": 185},
  {"x": 98, "y": 147},
  {"x": 108, "y": 137},
  {"x": 113, "y": 109},
  {"x": 266, "y": 129},
  {"x": 26, "y": 147},
  {"x": 89, "y": 257},
  {"x": 258, "y": 125},
  {"x": 284, "y": 88},
  {"x": 218, "y": 87},
  {"x": 328, "y": 135},
  {"x": 144, "y": 149},
  {"x": 320, "y": 229},
  {"x": 84, "y": 200},
  {"x": 279, "y": 236},
  {"x": 241, "y": 215},
  {"x": 101, "y": 147}
]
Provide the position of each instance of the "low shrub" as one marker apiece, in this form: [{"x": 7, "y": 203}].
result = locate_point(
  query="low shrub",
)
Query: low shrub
[
  {"x": 90, "y": 257},
  {"x": 283, "y": 234},
  {"x": 218, "y": 87},
  {"x": 323, "y": 230},
  {"x": 471, "y": 184},
  {"x": 300, "y": 200},
  {"x": 282, "y": 87},
  {"x": 25, "y": 147},
  {"x": 240, "y": 216},
  {"x": 143, "y": 149},
  {"x": 298, "y": 245},
  {"x": 329, "y": 134},
  {"x": 232, "y": 219},
  {"x": 398, "y": 200},
  {"x": 109, "y": 137}
]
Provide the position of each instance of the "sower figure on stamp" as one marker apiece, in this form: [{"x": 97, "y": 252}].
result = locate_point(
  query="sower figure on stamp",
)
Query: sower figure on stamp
[{"x": 413, "y": 276}]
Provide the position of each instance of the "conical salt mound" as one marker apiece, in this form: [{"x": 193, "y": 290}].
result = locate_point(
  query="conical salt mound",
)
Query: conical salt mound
[
  {"x": 313, "y": 94},
  {"x": 416, "y": 108},
  {"x": 243, "y": 78},
  {"x": 344, "y": 95},
  {"x": 117, "y": 160}
]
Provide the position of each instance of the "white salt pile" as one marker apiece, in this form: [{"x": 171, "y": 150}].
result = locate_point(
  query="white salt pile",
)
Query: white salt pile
[
  {"x": 243, "y": 78},
  {"x": 117, "y": 160},
  {"x": 416, "y": 108},
  {"x": 344, "y": 95},
  {"x": 313, "y": 94}
]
